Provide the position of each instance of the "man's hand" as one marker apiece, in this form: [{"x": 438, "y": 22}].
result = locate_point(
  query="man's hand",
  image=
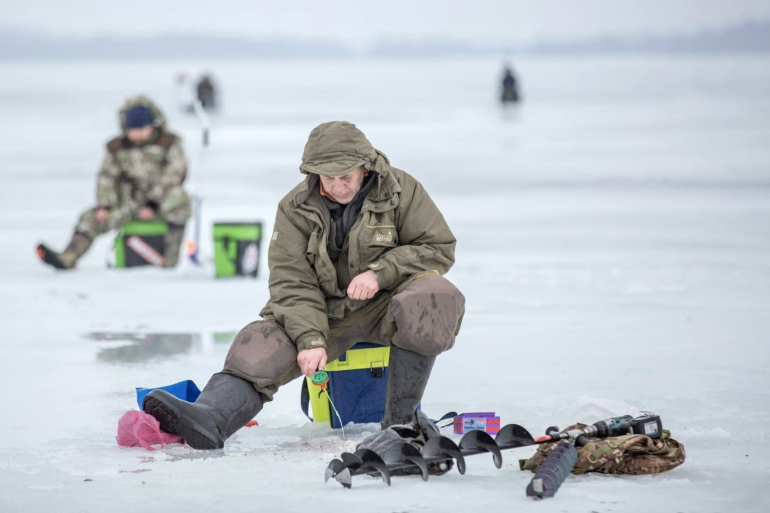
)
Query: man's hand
[
  {"x": 146, "y": 213},
  {"x": 364, "y": 286},
  {"x": 101, "y": 215},
  {"x": 311, "y": 360}
]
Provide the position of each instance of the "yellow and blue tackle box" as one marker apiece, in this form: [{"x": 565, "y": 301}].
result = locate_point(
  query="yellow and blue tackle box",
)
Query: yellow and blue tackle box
[{"x": 358, "y": 382}]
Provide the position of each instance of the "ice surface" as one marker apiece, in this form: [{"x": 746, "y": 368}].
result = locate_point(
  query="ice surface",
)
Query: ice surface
[{"x": 614, "y": 238}]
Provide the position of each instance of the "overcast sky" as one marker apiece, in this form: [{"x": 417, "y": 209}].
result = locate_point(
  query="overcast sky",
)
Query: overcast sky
[{"x": 516, "y": 21}]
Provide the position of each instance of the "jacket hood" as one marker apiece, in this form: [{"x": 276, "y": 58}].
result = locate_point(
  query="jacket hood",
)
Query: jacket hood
[
  {"x": 159, "y": 120},
  {"x": 336, "y": 148}
]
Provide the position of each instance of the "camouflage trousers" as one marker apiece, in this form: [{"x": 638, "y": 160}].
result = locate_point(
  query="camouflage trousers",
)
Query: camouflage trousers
[
  {"x": 424, "y": 317},
  {"x": 176, "y": 209}
]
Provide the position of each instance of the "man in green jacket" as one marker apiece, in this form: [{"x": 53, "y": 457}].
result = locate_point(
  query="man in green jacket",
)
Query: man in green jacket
[
  {"x": 357, "y": 255},
  {"x": 141, "y": 178}
]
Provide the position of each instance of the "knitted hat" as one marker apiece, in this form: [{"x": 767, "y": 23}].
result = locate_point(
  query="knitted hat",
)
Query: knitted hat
[{"x": 138, "y": 117}]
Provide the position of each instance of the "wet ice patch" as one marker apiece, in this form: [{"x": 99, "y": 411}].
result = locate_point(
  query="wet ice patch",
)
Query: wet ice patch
[
  {"x": 130, "y": 347},
  {"x": 140, "y": 346}
]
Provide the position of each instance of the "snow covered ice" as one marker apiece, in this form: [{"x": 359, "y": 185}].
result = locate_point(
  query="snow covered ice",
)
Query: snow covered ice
[{"x": 614, "y": 234}]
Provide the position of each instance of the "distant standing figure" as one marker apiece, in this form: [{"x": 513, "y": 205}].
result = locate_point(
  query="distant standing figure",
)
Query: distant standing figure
[
  {"x": 141, "y": 178},
  {"x": 510, "y": 87},
  {"x": 184, "y": 94},
  {"x": 207, "y": 93}
]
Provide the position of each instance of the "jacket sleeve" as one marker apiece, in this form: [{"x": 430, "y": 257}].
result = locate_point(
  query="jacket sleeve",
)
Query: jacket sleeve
[
  {"x": 172, "y": 175},
  {"x": 107, "y": 182},
  {"x": 296, "y": 299},
  {"x": 426, "y": 242}
]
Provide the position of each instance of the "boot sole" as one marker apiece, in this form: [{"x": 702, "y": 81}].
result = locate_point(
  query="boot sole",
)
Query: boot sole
[
  {"x": 171, "y": 421},
  {"x": 50, "y": 257}
]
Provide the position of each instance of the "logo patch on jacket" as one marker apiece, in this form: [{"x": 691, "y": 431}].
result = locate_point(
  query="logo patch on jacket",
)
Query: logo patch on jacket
[{"x": 383, "y": 237}]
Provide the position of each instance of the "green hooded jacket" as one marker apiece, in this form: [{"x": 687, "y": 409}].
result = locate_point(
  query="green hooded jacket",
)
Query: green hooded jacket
[
  {"x": 151, "y": 173},
  {"x": 399, "y": 234}
]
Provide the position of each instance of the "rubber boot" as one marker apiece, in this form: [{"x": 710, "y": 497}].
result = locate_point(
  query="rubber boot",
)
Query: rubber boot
[
  {"x": 408, "y": 374},
  {"x": 67, "y": 259},
  {"x": 173, "y": 244},
  {"x": 226, "y": 404}
]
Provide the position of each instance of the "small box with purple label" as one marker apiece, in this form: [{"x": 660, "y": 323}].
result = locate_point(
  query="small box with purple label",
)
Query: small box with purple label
[{"x": 483, "y": 421}]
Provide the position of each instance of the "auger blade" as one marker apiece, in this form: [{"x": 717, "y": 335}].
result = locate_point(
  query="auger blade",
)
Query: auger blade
[
  {"x": 406, "y": 453},
  {"x": 441, "y": 447},
  {"x": 351, "y": 461},
  {"x": 481, "y": 440},
  {"x": 372, "y": 460},
  {"x": 334, "y": 468},
  {"x": 339, "y": 471},
  {"x": 512, "y": 436},
  {"x": 345, "y": 478}
]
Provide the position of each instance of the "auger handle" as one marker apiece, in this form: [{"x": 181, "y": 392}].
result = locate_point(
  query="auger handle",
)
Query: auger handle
[{"x": 553, "y": 471}]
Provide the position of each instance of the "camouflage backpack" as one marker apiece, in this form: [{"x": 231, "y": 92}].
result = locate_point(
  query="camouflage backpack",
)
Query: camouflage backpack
[{"x": 627, "y": 454}]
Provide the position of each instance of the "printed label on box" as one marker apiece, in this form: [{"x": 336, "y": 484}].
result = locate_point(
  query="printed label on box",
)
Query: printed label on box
[{"x": 470, "y": 424}]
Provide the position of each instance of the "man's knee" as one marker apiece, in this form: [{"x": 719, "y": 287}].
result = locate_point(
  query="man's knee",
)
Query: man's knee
[
  {"x": 262, "y": 353},
  {"x": 89, "y": 226},
  {"x": 428, "y": 314},
  {"x": 176, "y": 207}
]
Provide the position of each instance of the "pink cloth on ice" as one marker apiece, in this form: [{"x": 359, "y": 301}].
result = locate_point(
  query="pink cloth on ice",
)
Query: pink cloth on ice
[{"x": 137, "y": 428}]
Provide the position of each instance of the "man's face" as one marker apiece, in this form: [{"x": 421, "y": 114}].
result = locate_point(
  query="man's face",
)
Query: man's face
[
  {"x": 343, "y": 189},
  {"x": 139, "y": 135}
]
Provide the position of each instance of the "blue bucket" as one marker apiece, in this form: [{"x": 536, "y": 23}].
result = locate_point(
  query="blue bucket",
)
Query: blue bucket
[{"x": 185, "y": 390}]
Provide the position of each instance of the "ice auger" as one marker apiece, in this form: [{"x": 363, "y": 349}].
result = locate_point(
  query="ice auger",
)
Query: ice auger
[{"x": 442, "y": 449}]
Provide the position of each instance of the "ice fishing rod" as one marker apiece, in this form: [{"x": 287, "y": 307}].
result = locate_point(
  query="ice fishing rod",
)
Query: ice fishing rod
[
  {"x": 193, "y": 246},
  {"x": 443, "y": 449},
  {"x": 321, "y": 379},
  {"x": 204, "y": 119}
]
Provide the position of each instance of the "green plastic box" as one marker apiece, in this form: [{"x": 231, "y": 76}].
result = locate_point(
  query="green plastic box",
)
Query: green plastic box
[
  {"x": 236, "y": 248},
  {"x": 153, "y": 233}
]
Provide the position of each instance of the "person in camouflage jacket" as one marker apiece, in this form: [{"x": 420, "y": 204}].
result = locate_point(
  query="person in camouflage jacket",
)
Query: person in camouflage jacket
[
  {"x": 141, "y": 178},
  {"x": 357, "y": 254}
]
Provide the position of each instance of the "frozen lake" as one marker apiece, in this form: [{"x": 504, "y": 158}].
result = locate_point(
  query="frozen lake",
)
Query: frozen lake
[{"x": 613, "y": 245}]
